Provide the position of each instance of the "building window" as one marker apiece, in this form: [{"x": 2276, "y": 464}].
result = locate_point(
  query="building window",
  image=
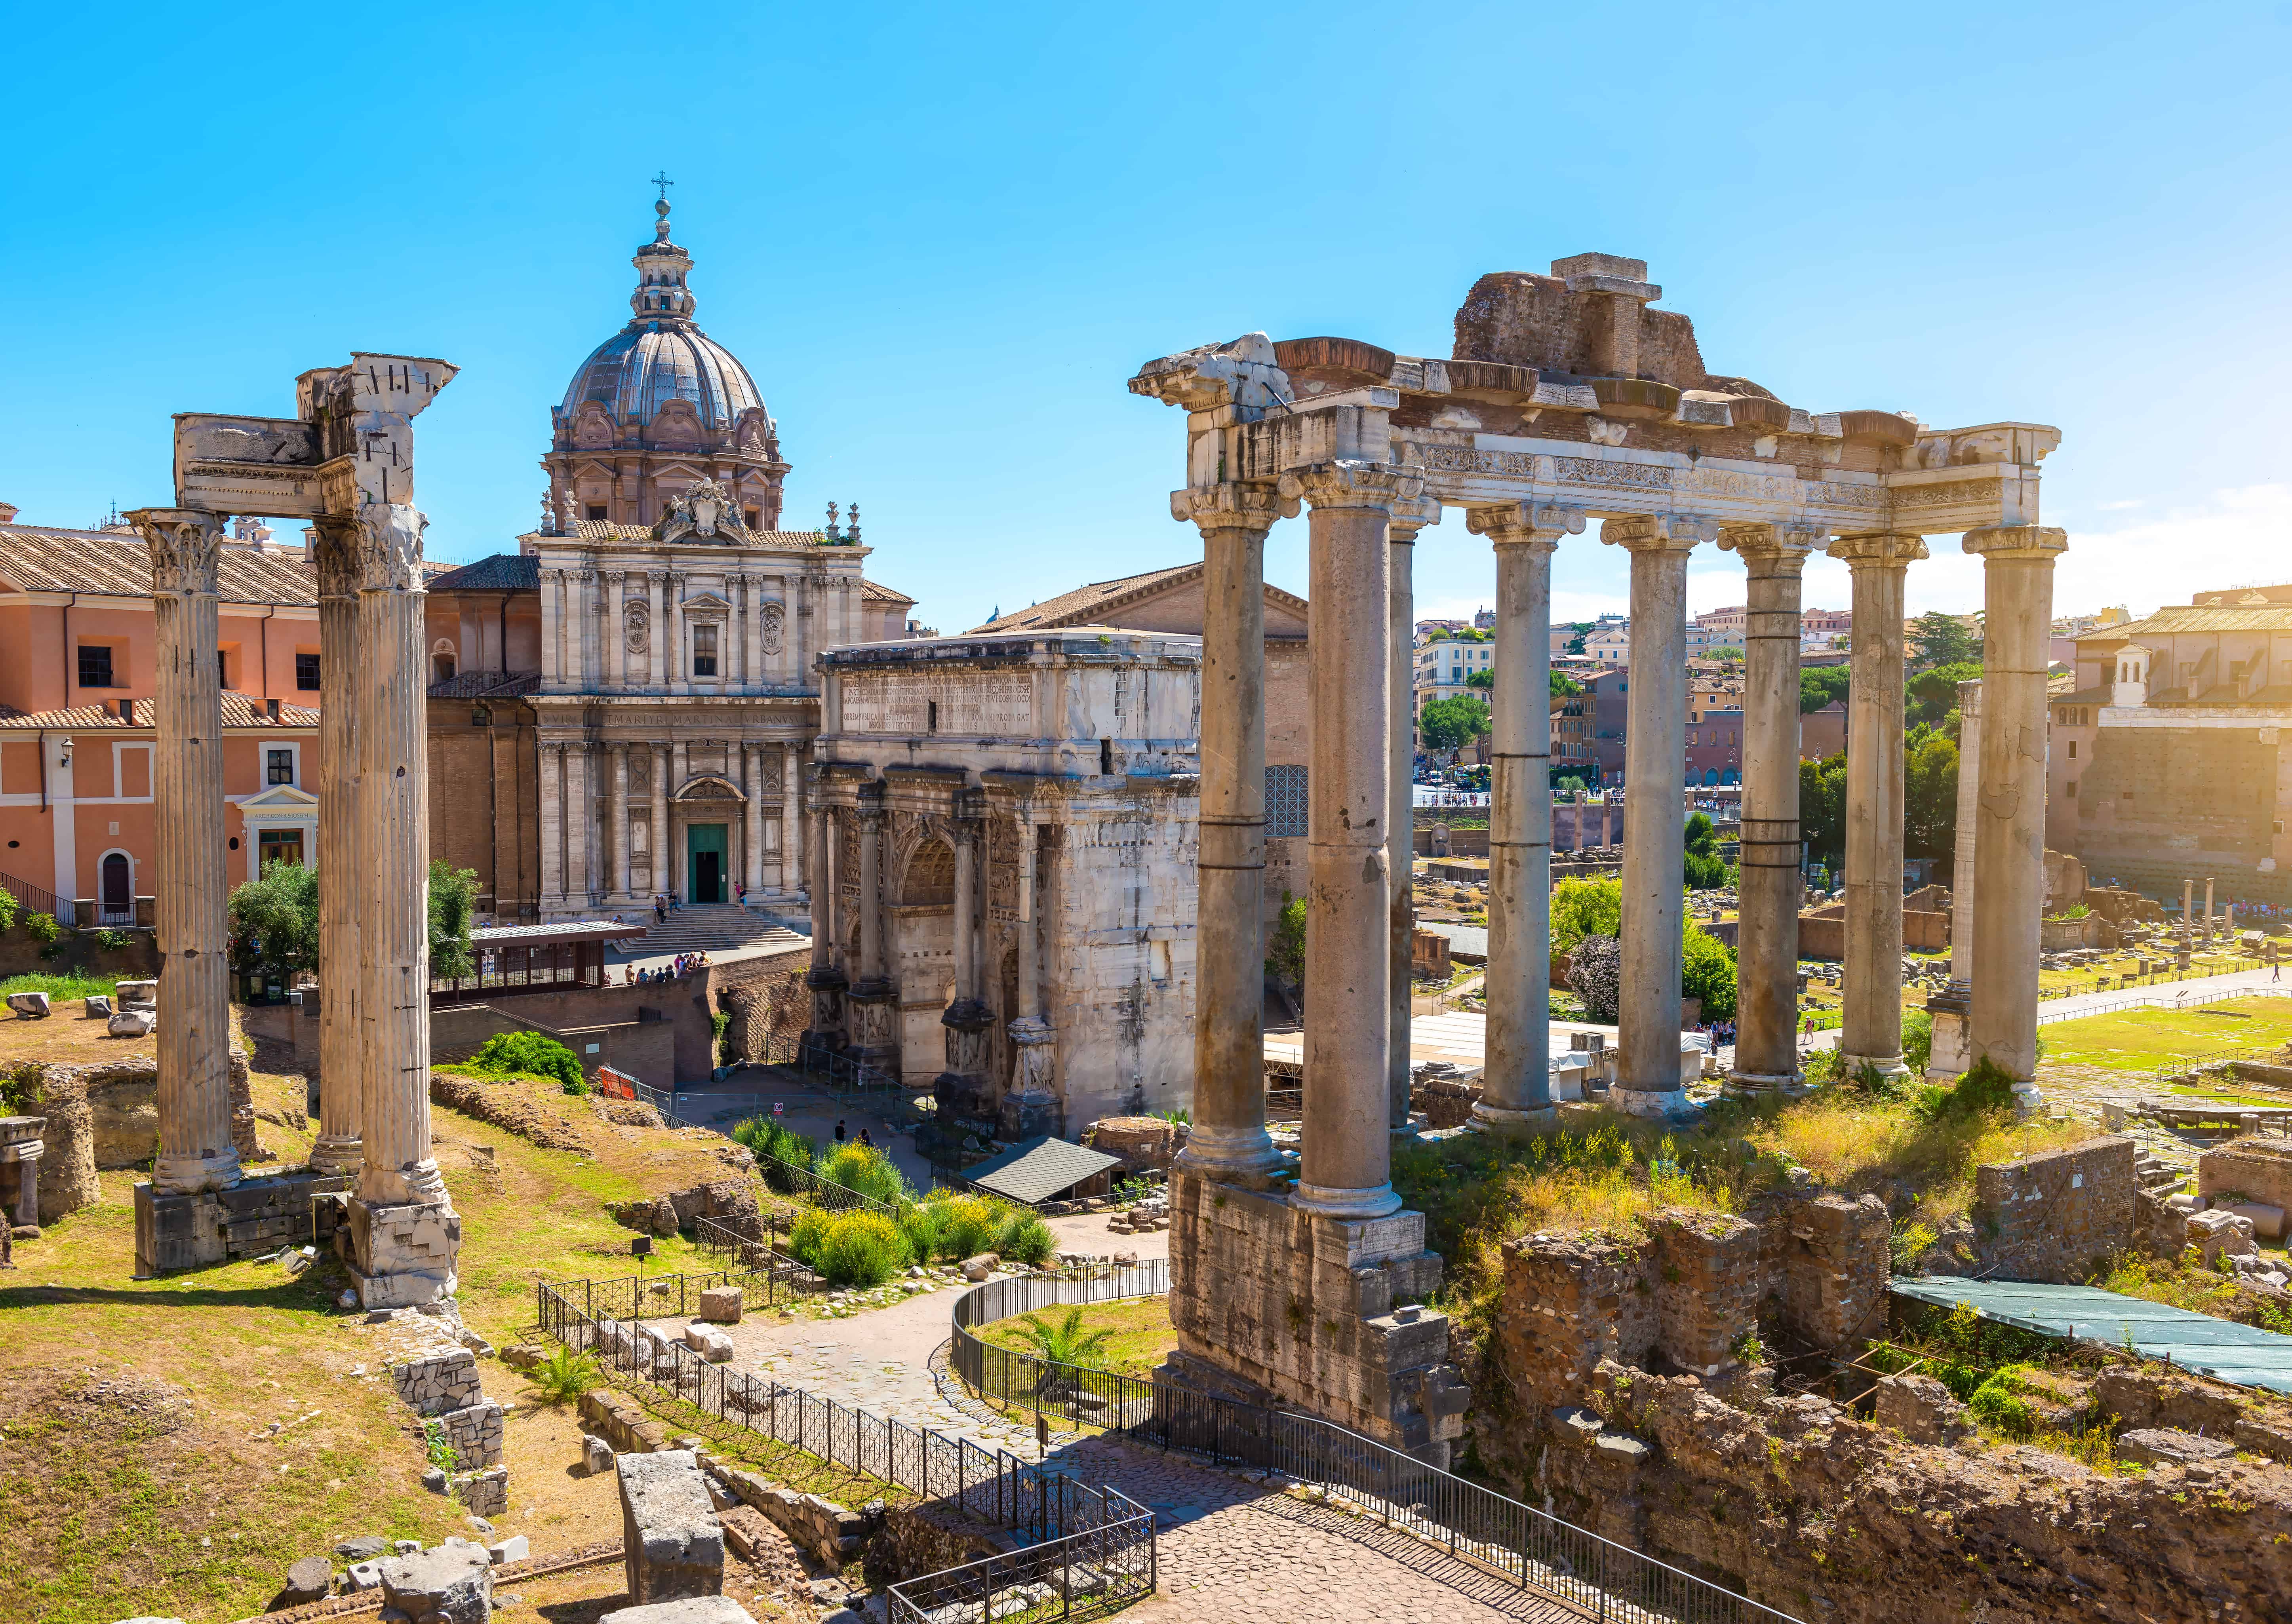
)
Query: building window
[
  {"x": 754, "y": 519},
  {"x": 596, "y": 510},
  {"x": 2072, "y": 750},
  {"x": 2072, "y": 789},
  {"x": 282, "y": 765},
  {"x": 223, "y": 668},
  {"x": 95, "y": 665},
  {"x": 306, "y": 672},
  {"x": 441, "y": 668},
  {"x": 704, "y": 651},
  {"x": 277, "y": 846},
  {"x": 1285, "y": 803},
  {"x": 931, "y": 716}
]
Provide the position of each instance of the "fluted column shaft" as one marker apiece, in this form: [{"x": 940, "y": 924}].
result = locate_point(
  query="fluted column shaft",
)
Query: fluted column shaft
[
  {"x": 338, "y": 1148},
  {"x": 623, "y": 868},
  {"x": 1655, "y": 829},
  {"x": 2010, "y": 850},
  {"x": 1963, "y": 860},
  {"x": 1347, "y": 1152},
  {"x": 1401, "y": 812},
  {"x": 1766, "y": 1007},
  {"x": 393, "y": 808},
  {"x": 1229, "y": 1140},
  {"x": 196, "y": 1152},
  {"x": 823, "y": 893},
  {"x": 1517, "y": 1083},
  {"x": 1871, "y": 1025},
  {"x": 665, "y": 878},
  {"x": 1030, "y": 943},
  {"x": 871, "y": 897}
]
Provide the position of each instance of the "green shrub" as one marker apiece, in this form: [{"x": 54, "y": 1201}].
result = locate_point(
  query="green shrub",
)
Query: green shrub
[
  {"x": 862, "y": 1249},
  {"x": 1917, "y": 1041},
  {"x": 867, "y": 1169},
  {"x": 804, "y": 1239},
  {"x": 61, "y": 987},
  {"x": 1984, "y": 1089},
  {"x": 112, "y": 941},
  {"x": 967, "y": 1226},
  {"x": 43, "y": 929},
  {"x": 532, "y": 1054},
  {"x": 719, "y": 1024},
  {"x": 1999, "y": 1403},
  {"x": 9, "y": 909},
  {"x": 1024, "y": 1238},
  {"x": 566, "y": 1375},
  {"x": 773, "y": 1144}
]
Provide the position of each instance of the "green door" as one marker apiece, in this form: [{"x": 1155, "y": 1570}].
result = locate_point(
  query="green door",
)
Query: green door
[{"x": 706, "y": 847}]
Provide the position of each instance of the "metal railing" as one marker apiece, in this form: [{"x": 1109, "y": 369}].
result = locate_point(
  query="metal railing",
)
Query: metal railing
[
  {"x": 757, "y": 1252},
  {"x": 848, "y": 1080},
  {"x": 1086, "y": 1574},
  {"x": 39, "y": 899},
  {"x": 1090, "y": 1535},
  {"x": 1605, "y": 1579},
  {"x": 787, "y": 1179}
]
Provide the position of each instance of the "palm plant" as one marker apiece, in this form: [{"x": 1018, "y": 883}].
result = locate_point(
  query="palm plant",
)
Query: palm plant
[
  {"x": 566, "y": 1375},
  {"x": 1065, "y": 1342}
]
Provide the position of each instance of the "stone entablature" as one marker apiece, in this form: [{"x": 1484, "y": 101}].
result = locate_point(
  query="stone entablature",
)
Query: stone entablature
[{"x": 1005, "y": 837}]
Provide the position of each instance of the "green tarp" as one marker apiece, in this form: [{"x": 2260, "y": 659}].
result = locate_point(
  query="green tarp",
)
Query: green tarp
[{"x": 2242, "y": 1354}]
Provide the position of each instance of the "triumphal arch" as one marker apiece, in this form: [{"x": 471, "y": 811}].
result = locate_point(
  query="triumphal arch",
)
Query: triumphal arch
[{"x": 1568, "y": 409}]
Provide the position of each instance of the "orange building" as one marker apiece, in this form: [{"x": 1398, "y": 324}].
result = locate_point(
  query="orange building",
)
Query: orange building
[{"x": 77, "y": 644}]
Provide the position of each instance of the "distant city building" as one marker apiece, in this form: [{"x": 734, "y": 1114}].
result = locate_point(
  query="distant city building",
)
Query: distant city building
[{"x": 1443, "y": 662}]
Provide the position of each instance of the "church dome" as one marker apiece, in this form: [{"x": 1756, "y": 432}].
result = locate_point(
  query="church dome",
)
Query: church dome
[{"x": 662, "y": 355}]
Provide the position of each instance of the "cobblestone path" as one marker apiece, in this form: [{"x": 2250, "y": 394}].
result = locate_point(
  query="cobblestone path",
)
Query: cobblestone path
[{"x": 1236, "y": 1552}]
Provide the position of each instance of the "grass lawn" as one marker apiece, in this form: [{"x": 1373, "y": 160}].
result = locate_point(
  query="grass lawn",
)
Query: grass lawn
[
  {"x": 2144, "y": 1039},
  {"x": 168, "y": 1447},
  {"x": 1143, "y": 1335}
]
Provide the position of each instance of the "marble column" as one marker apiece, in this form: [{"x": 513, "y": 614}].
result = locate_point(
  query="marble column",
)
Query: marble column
[
  {"x": 191, "y": 885},
  {"x": 339, "y": 1147},
  {"x": 664, "y": 849},
  {"x": 1031, "y": 1106},
  {"x": 1871, "y": 1018},
  {"x": 578, "y": 807},
  {"x": 874, "y": 1000},
  {"x": 1950, "y": 1010},
  {"x": 1408, "y": 518},
  {"x": 825, "y": 980},
  {"x": 1655, "y": 828},
  {"x": 752, "y": 760},
  {"x": 1766, "y": 1008},
  {"x": 962, "y": 1088},
  {"x": 792, "y": 869},
  {"x": 1517, "y": 1083},
  {"x": 2009, "y": 857},
  {"x": 623, "y": 876},
  {"x": 552, "y": 799},
  {"x": 1229, "y": 1142},
  {"x": 404, "y": 1234},
  {"x": 1347, "y": 1150}
]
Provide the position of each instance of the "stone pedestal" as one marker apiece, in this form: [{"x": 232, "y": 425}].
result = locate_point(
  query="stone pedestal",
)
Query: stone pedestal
[
  {"x": 196, "y": 1229},
  {"x": 1031, "y": 1107},
  {"x": 1273, "y": 1301},
  {"x": 20, "y": 1145},
  {"x": 827, "y": 987},
  {"x": 872, "y": 1009},
  {"x": 963, "y": 1090},
  {"x": 402, "y": 1255}
]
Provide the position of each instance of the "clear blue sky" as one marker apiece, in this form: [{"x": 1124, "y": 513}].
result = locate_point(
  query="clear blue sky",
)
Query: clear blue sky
[{"x": 942, "y": 239}]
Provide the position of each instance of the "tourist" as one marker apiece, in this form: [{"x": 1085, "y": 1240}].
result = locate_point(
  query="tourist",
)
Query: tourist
[
  {"x": 865, "y": 1140},
  {"x": 659, "y": 912},
  {"x": 741, "y": 892},
  {"x": 839, "y": 1130}
]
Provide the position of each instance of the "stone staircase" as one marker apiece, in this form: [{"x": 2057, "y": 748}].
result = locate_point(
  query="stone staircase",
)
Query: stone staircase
[
  {"x": 2158, "y": 1178},
  {"x": 714, "y": 927}
]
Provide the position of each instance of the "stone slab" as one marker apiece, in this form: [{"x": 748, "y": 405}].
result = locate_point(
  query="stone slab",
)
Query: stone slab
[
  {"x": 672, "y": 1544},
  {"x": 253, "y": 1215},
  {"x": 684, "y": 1610},
  {"x": 452, "y": 1584}
]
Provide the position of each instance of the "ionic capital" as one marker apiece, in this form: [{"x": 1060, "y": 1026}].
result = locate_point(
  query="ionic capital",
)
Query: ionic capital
[
  {"x": 1529, "y": 524},
  {"x": 1410, "y": 515},
  {"x": 1882, "y": 550},
  {"x": 1232, "y": 504},
  {"x": 2016, "y": 541},
  {"x": 185, "y": 543},
  {"x": 1346, "y": 483},
  {"x": 389, "y": 547},
  {"x": 1676, "y": 533},
  {"x": 1785, "y": 544}
]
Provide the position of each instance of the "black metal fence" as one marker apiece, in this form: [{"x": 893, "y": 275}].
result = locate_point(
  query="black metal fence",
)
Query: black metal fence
[
  {"x": 1607, "y": 1580},
  {"x": 851, "y": 1081},
  {"x": 1088, "y": 1573},
  {"x": 1090, "y": 1535},
  {"x": 789, "y": 1179}
]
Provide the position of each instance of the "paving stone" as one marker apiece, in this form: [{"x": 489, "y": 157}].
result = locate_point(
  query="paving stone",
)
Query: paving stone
[
  {"x": 684, "y": 1610},
  {"x": 362, "y": 1549}
]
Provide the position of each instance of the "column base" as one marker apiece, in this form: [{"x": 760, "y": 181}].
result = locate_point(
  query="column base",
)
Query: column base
[
  {"x": 400, "y": 1255},
  {"x": 1650, "y": 1101},
  {"x": 334, "y": 1154},
  {"x": 1499, "y": 1119},
  {"x": 1952, "y": 1050},
  {"x": 1790, "y": 1085},
  {"x": 196, "y": 1175},
  {"x": 1887, "y": 1066},
  {"x": 2029, "y": 1100},
  {"x": 1337, "y": 1202},
  {"x": 1243, "y": 1156},
  {"x": 1031, "y": 1107},
  {"x": 874, "y": 1008}
]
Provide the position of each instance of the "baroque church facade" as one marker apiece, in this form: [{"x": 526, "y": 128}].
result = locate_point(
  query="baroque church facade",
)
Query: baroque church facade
[{"x": 624, "y": 707}]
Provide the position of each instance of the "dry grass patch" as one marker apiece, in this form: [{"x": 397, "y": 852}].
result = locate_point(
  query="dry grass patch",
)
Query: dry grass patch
[{"x": 1862, "y": 1145}]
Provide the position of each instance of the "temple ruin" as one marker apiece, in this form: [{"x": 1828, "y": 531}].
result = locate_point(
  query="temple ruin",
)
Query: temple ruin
[{"x": 1567, "y": 400}]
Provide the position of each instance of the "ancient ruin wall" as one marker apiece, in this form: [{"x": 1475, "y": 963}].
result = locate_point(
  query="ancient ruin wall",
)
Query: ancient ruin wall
[{"x": 2056, "y": 1216}]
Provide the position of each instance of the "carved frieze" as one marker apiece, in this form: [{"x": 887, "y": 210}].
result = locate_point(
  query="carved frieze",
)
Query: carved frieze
[{"x": 637, "y": 625}]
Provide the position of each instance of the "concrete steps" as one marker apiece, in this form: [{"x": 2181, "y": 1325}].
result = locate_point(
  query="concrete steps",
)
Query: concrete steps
[{"x": 713, "y": 927}]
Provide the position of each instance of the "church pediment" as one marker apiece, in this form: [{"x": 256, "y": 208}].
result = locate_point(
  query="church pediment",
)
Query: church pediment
[
  {"x": 280, "y": 797},
  {"x": 710, "y": 787},
  {"x": 716, "y": 601}
]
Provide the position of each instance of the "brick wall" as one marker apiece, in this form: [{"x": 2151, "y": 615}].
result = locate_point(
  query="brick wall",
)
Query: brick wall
[
  {"x": 2056, "y": 1216},
  {"x": 1708, "y": 1298},
  {"x": 485, "y": 802}
]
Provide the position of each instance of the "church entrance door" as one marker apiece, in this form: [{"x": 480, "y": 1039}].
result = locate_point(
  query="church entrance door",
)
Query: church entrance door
[{"x": 706, "y": 847}]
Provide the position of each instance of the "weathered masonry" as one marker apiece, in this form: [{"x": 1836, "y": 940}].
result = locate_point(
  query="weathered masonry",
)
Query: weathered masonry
[{"x": 1567, "y": 401}]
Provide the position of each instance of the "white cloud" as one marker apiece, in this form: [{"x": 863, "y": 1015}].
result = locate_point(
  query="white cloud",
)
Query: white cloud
[{"x": 2238, "y": 538}]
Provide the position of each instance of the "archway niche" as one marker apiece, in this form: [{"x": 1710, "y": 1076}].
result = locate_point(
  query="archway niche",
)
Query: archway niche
[{"x": 922, "y": 958}]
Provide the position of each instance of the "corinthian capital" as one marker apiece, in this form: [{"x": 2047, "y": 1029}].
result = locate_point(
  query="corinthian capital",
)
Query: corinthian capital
[
  {"x": 389, "y": 547},
  {"x": 1536, "y": 523},
  {"x": 2016, "y": 541},
  {"x": 1658, "y": 532},
  {"x": 1881, "y": 550},
  {"x": 1408, "y": 516},
  {"x": 185, "y": 543},
  {"x": 1233, "y": 504},
  {"x": 1349, "y": 483},
  {"x": 1787, "y": 543},
  {"x": 336, "y": 555}
]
